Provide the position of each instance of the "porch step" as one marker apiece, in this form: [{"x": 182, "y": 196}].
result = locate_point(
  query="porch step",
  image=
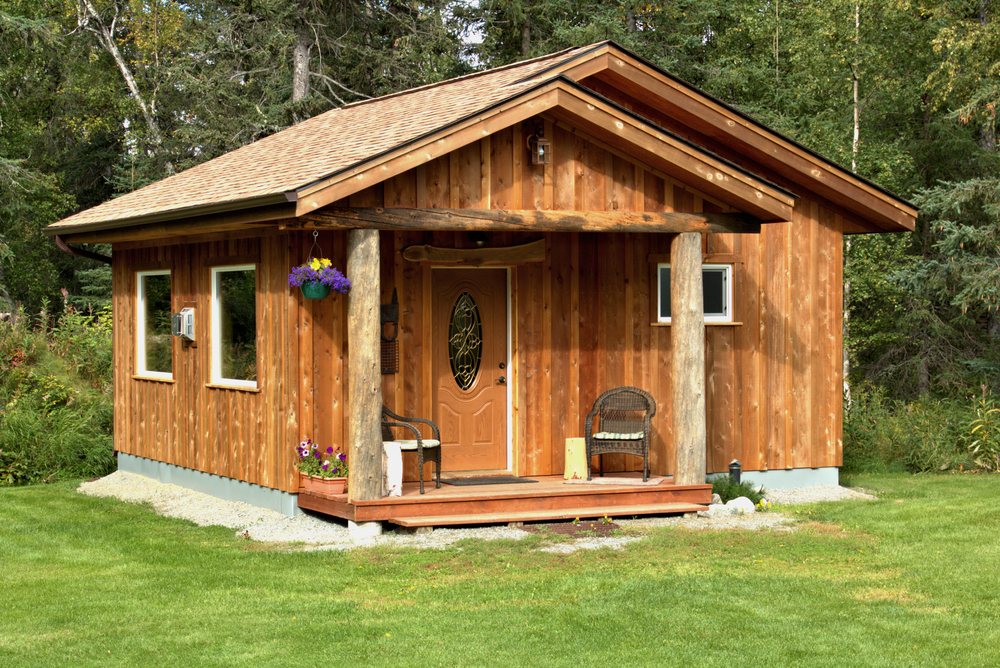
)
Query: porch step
[{"x": 542, "y": 515}]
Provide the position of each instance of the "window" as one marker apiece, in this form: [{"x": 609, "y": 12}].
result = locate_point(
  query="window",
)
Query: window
[
  {"x": 155, "y": 344},
  {"x": 234, "y": 325},
  {"x": 717, "y": 282}
]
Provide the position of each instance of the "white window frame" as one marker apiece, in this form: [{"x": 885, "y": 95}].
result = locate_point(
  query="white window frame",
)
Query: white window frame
[
  {"x": 217, "y": 377},
  {"x": 140, "y": 325},
  {"x": 727, "y": 292}
]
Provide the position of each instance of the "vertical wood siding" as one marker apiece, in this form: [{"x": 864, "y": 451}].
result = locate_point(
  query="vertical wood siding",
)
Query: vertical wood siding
[{"x": 582, "y": 323}]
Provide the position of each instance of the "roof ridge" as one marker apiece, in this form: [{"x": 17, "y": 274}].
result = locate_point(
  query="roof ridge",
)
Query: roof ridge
[{"x": 471, "y": 75}]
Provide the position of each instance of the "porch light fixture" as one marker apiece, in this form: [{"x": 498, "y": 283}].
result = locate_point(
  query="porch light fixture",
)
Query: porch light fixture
[
  {"x": 541, "y": 149},
  {"x": 478, "y": 238}
]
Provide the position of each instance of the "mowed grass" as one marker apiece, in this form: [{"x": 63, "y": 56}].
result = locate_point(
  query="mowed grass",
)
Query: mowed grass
[{"x": 909, "y": 580}]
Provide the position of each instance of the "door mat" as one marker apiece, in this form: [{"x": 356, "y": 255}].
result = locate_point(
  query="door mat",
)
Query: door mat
[
  {"x": 636, "y": 482},
  {"x": 486, "y": 480}
]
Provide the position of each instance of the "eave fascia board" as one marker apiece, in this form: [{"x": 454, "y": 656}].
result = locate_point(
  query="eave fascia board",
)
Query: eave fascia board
[
  {"x": 186, "y": 226},
  {"x": 278, "y": 201}
]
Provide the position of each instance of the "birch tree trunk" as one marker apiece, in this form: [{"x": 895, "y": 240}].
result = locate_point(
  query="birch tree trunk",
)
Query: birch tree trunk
[{"x": 88, "y": 19}]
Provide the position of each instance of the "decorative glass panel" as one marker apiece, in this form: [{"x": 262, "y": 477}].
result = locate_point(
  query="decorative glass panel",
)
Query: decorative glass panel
[{"x": 465, "y": 341}]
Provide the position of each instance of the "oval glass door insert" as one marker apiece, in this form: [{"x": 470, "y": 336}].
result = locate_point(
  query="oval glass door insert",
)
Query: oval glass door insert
[{"x": 465, "y": 341}]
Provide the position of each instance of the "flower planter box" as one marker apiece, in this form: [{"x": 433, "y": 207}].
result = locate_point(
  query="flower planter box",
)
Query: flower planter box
[{"x": 314, "y": 483}]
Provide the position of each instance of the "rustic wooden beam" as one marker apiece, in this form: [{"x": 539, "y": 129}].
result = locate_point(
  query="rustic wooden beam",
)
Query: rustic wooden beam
[
  {"x": 364, "y": 372},
  {"x": 500, "y": 220},
  {"x": 687, "y": 338},
  {"x": 477, "y": 257}
]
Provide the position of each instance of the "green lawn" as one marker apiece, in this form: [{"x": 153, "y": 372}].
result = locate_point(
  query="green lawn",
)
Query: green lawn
[{"x": 910, "y": 580}]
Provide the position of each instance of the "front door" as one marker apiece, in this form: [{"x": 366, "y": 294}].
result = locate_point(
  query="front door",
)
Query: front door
[{"x": 470, "y": 367}]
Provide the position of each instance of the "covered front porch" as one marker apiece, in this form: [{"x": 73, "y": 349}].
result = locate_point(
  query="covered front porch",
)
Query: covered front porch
[{"x": 549, "y": 498}]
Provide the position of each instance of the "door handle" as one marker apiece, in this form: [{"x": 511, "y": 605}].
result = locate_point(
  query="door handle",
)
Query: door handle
[{"x": 501, "y": 381}]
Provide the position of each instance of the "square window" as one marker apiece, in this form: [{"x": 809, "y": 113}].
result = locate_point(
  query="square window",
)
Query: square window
[
  {"x": 154, "y": 341},
  {"x": 717, "y": 282},
  {"x": 234, "y": 325}
]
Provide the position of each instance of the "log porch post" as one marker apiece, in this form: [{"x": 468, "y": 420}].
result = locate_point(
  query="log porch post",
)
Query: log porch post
[
  {"x": 364, "y": 373},
  {"x": 687, "y": 335}
]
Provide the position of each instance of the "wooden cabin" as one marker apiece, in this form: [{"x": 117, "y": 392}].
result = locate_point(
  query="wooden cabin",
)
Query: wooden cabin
[{"x": 657, "y": 196}]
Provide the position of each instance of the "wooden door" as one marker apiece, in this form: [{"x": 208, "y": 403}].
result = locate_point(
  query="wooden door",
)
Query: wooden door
[{"x": 469, "y": 351}]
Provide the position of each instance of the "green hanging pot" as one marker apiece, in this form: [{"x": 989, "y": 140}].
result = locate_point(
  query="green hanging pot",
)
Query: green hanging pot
[{"x": 314, "y": 290}]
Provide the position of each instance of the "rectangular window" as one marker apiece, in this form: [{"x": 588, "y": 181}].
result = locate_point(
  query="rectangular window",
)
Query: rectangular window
[
  {"x": 717, "y": 284},
  {"x": 155, "y": 344},
  {"x": 234, "y": 325}
]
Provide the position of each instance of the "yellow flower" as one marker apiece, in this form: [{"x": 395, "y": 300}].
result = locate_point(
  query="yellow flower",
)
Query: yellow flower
[{"x": 314, "y": 264}]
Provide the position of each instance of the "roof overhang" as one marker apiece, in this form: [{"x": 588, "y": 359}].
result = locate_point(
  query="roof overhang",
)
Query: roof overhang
[{"x": 724, "y": 124}]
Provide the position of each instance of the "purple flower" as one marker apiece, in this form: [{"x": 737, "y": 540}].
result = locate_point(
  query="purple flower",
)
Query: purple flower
[
  {"x": 342, "y": 457},
  {"x": 319, "y": 456},
  {"x": 329, "y": 450}
]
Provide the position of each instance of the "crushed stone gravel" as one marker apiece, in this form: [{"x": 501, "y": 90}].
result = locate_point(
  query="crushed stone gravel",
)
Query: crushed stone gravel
[{"x": 309, "y": 532}]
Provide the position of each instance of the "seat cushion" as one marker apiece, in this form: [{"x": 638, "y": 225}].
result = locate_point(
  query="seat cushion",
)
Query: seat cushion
[
  {"x": 612, "y": 436},
  {"x": 412, "y": 445}
]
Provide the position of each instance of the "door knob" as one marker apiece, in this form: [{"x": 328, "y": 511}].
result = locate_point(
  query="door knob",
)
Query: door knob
[{"x": 501, "y": 381}]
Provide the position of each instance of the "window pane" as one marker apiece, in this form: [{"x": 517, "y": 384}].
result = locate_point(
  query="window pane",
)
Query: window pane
[
  {"x": 237, "y": 304},
  {"x": 664, "y": 292},
  {"x": 158, "y": 341},
  {"x": 714, "y": 287}
]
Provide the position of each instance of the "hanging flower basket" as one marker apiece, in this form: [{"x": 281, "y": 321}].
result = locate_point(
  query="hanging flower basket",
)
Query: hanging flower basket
[{"x": 317, "y": 276}]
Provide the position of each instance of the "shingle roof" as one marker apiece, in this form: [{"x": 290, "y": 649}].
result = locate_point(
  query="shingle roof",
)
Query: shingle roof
[{"x": 321, "y": 146}]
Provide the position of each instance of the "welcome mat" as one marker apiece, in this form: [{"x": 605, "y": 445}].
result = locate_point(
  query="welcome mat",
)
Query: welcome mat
[
  {"x": 636, "y": 482},
  {"x": 486, "y": 480}
]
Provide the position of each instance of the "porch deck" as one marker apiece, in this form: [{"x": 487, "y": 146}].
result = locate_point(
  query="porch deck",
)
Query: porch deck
[{"x": 548, "y": 499}]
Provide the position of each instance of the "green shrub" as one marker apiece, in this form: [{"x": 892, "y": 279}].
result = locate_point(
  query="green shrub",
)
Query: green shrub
[
  {"x": 925, "y": 435},
  {"x": 42, "y": 441},
  {"x": 52, "y": 424},
  {"x": 728, "y": 490},
  {"x": 984, "y": 434},
  {"x": 84, "y": 341},
  {"x": 18, "y": 349}
]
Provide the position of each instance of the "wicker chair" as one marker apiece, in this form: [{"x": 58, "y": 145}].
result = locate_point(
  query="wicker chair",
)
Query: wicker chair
[
  {"x": 623, "y": 416},
  {"x": 428, "y": 449}
]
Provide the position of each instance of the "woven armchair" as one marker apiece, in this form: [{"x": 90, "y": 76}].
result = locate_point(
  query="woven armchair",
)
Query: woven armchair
[
  {"x": 623, "y": 422},
  {"x": 428, "y": 449}
]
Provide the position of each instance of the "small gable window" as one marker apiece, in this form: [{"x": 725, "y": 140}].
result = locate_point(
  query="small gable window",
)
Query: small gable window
[
  {"x": 154, "y": 342},
  {"x": 717, "y": 284},
  {"x": 234, "y": 325}
]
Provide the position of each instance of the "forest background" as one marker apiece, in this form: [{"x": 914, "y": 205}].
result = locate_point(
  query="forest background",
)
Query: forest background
[{"x": 100, "y": 97}]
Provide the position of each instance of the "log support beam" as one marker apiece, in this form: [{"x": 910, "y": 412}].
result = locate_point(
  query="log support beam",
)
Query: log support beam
[
  {"x": 364, "y": 373},
  {"x": 501, "y": 220},
  {"x": 687, "y": 335}
]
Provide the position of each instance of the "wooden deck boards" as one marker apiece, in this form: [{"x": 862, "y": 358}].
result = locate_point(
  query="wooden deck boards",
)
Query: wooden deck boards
[{"x": 549, "y": 498}]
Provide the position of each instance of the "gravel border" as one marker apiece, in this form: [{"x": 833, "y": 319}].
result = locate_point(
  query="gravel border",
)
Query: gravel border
[{"x": 312, "y": 533}]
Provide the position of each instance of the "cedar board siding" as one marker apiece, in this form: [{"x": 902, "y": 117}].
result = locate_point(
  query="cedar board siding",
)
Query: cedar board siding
[{"x": 582, "y": 324}]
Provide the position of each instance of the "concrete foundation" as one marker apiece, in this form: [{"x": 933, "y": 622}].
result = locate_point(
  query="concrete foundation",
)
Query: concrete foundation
[
  {"x": 226, "y": 489},
  {"x": 788, "y": 478},
  {"x": 362, "y": 530}
]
